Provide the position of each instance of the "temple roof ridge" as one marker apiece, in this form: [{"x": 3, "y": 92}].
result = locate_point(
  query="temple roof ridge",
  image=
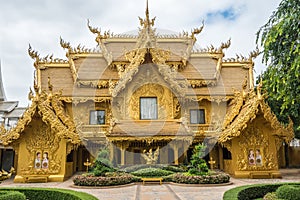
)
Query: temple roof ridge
[{"x": 44, "y": 60}]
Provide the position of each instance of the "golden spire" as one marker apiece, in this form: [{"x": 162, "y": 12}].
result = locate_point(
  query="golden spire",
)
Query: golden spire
[
  {"x": 146, "y": 23},
  {"x": 147, "y": 12}
]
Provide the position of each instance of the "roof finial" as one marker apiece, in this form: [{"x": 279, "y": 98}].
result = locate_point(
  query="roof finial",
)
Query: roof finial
[
  {"x": 147, "y": 12},
  {"x": 146, "y": 23}
]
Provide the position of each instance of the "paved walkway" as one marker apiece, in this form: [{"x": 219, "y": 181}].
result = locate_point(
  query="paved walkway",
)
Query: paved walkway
[{"x": 154, "y": 191}]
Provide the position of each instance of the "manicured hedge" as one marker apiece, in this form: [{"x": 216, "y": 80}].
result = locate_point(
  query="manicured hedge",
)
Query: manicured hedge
[
  {"x": 206, "y": 179},
  {"x": 51, "y": 194},
  {"x": 134, "y": 168},
  {"x": 288, "y": 192},
  {"x": 248, "y": 192},
  {"x": 151, "y": 172},
  {"x": 174, "y": 168},
  {"x": 82, "y": 180},
  {"x": 12, "y": 195}
]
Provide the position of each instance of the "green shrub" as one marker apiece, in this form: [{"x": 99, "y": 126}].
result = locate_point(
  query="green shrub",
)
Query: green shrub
[
  {"x": 12, "y": 195},
  {"x": 102, "y": 180},
  {"x": 288, "y": 192},
  {"x": 252, "y": 191},
  {"x": 51, "y": 194},
  {"x": 168, "y": 178},
  {"x": 270, "y": 196},
  {"x": 151, "y": 172},
  {"x": 256, "y": 191},
  {"x": 173, "y": 168},
  {"x": 134, "y": 168},
  {"x": 102, "y": 164},
  {"x": 206, "y": 179}
]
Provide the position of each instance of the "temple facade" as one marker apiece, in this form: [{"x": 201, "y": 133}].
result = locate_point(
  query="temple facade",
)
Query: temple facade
[{"x": 136, "y": 93}]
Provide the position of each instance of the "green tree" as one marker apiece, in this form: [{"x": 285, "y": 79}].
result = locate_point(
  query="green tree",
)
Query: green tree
[
  {"x": 280, "y": 39},
  {"x": 199, "y": 166}
]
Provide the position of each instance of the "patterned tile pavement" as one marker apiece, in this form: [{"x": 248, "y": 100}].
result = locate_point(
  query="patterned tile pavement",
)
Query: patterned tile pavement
[{"x": 166, "y": 191}]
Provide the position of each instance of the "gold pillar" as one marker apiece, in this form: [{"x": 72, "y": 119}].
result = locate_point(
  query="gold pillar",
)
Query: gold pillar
[
  {"x": 175, "y": 150},
  {"x": 111, "y": 152},
  {"x": 122, "y": 156}
]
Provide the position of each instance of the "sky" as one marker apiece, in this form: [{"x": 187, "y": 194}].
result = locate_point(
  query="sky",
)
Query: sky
[{"x": 41, "y": 23}]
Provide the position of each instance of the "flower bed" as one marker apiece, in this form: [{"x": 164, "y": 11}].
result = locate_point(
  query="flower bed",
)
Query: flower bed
[
  {"x": 83, "y": 180},
  {"x": 205, "y": 179}
]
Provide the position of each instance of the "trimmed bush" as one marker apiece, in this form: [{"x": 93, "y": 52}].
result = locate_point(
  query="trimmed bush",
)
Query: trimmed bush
[
  {"x": 256, "y": 191},
  {"x": 173, "y": 168},
  {"x": 151, "y": 172},
  {"x": 288, "y": 192},
  {"x": 82, "y": 180},
  {"x": 270, "y": 196},
  {"x": 252, "y": 191},
  {"x": 12, "y": 195},
  {"x": 102, "y": 164},
  {"x": 134, "y": 168},
  {"x": 206, "y": 179},
  {"x": 51, "y": 194}
]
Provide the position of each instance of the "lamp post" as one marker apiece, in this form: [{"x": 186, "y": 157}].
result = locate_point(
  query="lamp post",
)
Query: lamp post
[
  {"x": 87, "y": 164},
  {"x": 211, "y": 163}
]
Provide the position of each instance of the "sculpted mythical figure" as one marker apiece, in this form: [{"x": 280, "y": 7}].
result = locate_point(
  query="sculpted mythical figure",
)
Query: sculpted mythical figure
[{"x": 151, "y": 158}]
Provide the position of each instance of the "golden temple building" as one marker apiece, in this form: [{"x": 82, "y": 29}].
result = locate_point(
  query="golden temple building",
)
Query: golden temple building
[{"x": 136, "y": 93}]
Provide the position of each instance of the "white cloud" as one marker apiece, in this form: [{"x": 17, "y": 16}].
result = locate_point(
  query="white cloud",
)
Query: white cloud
[{"x": 41, "y": 23}]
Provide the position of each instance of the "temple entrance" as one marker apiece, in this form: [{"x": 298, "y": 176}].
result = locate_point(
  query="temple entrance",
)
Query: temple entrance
[{"x": 7, "y": 159}]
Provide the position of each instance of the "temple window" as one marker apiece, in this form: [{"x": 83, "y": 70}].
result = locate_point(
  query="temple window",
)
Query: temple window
[
  {"x": 197, "y": 116},
  {"x": 148, "y": 108},
  {"x": 97, "y": 117}
]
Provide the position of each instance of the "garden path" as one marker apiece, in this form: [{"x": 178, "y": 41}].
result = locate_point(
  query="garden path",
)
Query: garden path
[{"x": 154, "y": 191}]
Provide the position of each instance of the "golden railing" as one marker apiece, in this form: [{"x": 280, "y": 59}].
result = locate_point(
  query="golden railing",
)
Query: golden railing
[
  {"x": 93, "y": 131},
  {"x": 199, "y": 129}
]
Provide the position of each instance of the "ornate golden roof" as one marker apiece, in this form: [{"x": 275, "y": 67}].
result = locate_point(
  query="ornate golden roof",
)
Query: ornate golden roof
[
  {"x": 244, "y": 109},
  {"x": 48, "y": 106}
]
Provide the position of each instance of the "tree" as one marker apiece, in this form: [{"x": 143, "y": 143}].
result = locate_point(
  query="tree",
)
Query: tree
[
  {"x": 199, "y": 166},
  {"x": 280, "y": 38}
]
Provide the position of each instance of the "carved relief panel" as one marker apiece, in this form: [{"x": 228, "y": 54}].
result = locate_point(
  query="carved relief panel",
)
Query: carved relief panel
[
  {"x": 42, "y": 145},
  {"x": 254, "y": 153}
]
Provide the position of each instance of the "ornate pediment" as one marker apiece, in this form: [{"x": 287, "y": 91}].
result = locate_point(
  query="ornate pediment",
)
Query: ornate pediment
[{"x": 48, "y": 107}]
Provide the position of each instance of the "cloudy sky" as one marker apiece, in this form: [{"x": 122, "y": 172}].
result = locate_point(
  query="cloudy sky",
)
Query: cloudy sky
[{"x": 42, "y": 22}]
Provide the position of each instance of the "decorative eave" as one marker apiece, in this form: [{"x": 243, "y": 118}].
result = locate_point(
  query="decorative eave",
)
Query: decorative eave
[
  {"x": 77, "y": 100},
  {"x": 96, "y": 83},
  {"x": 50, "y": 109},
  {"x": 212, "y": 98}
]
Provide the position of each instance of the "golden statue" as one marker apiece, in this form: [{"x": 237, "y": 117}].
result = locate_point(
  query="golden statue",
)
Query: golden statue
[{"x": 151, "y": 158}]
